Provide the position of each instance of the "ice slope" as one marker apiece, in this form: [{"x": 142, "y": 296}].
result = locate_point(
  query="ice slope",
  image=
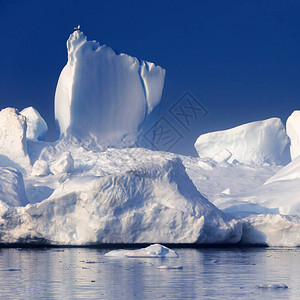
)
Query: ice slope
[
  {"x": 106, "y": 95},
  {"x": 13, "y": 144},
  {"x": 126, "y": 196},
  {"x": 253, "y": 143},
  {"x": 280, "y": 194},
  {"x": 282, "y": 191},
  {"x": 293, "y": 131},
  {"x": 12, "y": 191},
  {"x": 36, "y": 125}
]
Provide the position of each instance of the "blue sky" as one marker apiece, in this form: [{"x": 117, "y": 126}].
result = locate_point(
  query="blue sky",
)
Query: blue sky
[{"x": 239, "y": 59}]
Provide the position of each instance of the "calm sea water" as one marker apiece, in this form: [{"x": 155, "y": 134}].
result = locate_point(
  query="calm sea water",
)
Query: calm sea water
[{"x": 85, "y": 273}]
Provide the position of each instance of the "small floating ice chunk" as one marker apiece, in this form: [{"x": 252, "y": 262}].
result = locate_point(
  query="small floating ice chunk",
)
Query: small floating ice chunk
[
  {"x": 273, "y": 286},
  {"x": 170, "y": 267},
  {"x": 155, "y": 250},
  {"x": 214, "y": 261}
]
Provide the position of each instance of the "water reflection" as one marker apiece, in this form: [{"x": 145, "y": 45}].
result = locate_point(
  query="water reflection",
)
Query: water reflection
[{"x": 77, "y": 273}]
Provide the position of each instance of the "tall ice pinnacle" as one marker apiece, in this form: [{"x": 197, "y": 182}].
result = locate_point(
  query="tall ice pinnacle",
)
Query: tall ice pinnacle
[{"x": 104, "y": 94}]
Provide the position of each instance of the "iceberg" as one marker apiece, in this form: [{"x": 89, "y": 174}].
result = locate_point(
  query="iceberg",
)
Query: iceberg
[
  {"x": 36, "y": 126},
  {"x": 293, "y": 131},
  {"x": 253, "y": 143},
  {"x": 94, "y": 186},
  {"x": 134, "y": 195},
  {"x": 104, "y": 95}
]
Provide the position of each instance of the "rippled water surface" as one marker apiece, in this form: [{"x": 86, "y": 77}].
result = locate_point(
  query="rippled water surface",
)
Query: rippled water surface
[{"x": 85, "y": 273}]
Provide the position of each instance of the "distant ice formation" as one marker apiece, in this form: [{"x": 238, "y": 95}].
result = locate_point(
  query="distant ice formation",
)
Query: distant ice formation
[{"x": 253, "y": 143}]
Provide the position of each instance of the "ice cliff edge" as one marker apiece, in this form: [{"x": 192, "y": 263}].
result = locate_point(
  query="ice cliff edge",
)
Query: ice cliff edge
[{"x": 106, "y": 95}]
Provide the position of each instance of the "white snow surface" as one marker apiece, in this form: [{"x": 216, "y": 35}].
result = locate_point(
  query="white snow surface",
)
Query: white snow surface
[
  {"x": 117, "y": 196},
  {"x": 13, "y": 145},
  {"x": 152, "y": 251},
  {"x": 106, "y": 95},
  {"x": 36, "y": 126},
  {"x": 253, "y": 143},
  {"x": 293, "y": 131}
]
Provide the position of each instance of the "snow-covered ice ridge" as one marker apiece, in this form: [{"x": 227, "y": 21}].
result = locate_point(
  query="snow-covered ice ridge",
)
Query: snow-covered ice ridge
[{"x": 243, "y": 187}]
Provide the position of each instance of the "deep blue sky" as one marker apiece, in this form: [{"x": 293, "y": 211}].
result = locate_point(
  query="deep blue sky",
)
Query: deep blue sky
[{"x": 240, "y": 59}]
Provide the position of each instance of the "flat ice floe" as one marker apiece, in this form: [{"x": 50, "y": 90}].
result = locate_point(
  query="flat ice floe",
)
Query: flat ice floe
[{"x": 153, "y": 251}]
